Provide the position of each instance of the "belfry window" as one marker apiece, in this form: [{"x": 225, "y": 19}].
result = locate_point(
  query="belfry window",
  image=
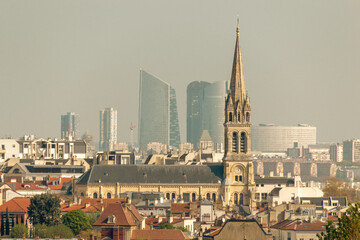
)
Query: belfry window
[
  {"x": 230, "y": 117},
  {"x": 243, "y": 143},
  {"x": 235, "y": 142},
  {"x": 236, "y": 200},
  {"x": 247, "y": 117},
  {"x": 214, "y": 197},
  {"x": 208, "y": 196},
  {"x": 239, "y": 117}
]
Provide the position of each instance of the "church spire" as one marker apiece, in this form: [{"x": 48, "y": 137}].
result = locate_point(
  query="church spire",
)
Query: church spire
[{"x": 237, "y": 83}]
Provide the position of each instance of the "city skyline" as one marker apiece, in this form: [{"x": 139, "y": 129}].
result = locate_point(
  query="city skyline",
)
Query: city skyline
[{"x": 301, "y": 60}]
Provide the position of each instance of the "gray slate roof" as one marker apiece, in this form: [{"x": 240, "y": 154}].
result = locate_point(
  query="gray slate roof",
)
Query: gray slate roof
[{"x": 157, "y": 174}]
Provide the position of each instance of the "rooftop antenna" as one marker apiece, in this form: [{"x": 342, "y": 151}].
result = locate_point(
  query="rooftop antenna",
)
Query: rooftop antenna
[{"x": 237, "y": 21}]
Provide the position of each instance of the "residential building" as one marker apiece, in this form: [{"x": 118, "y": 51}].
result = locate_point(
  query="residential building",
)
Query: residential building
[
  {"x": 351, "y": 150},
  {"x": 337, "y": 152},
  {"x": 9, "y": 148},
  {"x": 272, "y": 138},
  {"x": 70, "y": 126},
  {"x": 231, "y": 182},
  {"x": 297, "y": 230},
  {"x": 31, "y": 148},
  {"x": 108, "y": 129},
  {"x": 158, "y": 116},
  {"x": 90, "y": 145},
  {"x": 115, "y": 158},
  {"x": 17, "y": 211},
  {"x": 239, "y": 229}
]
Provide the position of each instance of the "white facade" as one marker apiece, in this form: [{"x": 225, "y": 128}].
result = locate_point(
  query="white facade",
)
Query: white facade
[
  {"x": 271, "y": 138},
  {"x": 9, "y": 148},
  {"x": 290, "y": 194}
]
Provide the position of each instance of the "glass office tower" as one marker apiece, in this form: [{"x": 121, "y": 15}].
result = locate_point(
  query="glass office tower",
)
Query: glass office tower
[
  {"x": 158, "y": 116},
  {"x": 194, "y": 111},
  {"x": 70, "y": 126}
]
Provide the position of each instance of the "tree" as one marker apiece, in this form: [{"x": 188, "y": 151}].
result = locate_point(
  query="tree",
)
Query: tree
[
  {"x": 19, "y": 231},
  {"x": 336, "y": 188},
  {"x": 43, "y": 231},
  {"x": 76, "y": 220},
  {"x": 45, "y": 209},
  {"x": 183, "y": 229},
  {"x": 166, "y": 226},
  {"x": 348, "y": 226}
]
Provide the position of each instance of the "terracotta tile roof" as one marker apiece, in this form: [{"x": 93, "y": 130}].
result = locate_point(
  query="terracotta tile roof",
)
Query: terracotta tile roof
[
  {"x": 123, "y": 216},
  {"x": 215, "y": 232},
  {"x": 83, "y": 207},
  {"x": 282, "y": 223},
  {"x": 16, "y": 205},
  {"x": 159, "y": 234},
  {"x": 149, "y": 221},
  {"x": 180, "y": 207},
  {"x": 57, "y": 186},
  {"x": 305, "y": 226}
]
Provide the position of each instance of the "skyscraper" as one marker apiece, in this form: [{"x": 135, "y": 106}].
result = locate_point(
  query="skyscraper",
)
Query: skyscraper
[
  {"x": 158, "y": 116},
  {"x": 194, "y": 111},
  {"x": 205, "y": 111},
  {"x": 108, "y": 129},
  {"x": 213, "y": 109},
  {"x": 70, "y": 125}
]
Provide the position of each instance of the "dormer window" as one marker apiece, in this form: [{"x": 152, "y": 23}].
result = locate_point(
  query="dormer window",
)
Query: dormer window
[{"x": 111, "y": 219}]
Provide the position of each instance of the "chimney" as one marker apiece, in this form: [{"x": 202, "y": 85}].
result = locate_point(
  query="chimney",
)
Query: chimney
[{"x": 171, "y": 218}]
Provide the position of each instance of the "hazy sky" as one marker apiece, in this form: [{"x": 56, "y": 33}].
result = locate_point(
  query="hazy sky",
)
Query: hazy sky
[{"x": 301, "y": 60}]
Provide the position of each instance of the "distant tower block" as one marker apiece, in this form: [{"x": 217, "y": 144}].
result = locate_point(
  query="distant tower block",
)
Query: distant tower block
[{"x": 132, "y": 127}]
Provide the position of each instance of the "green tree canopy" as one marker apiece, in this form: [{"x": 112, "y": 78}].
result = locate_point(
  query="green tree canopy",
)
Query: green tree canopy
[
  {"x": 348, "y": 226},
  {"x": 76, "y": 220},
  {"x": 43, "y": 231},
  {"x": 19, "y": 231},
  {"x": 166, "y": 226},
  {"x": 45, "y": 209}
]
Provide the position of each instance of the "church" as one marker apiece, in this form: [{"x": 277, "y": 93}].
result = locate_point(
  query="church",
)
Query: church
[{"x": 230, "y": 183}]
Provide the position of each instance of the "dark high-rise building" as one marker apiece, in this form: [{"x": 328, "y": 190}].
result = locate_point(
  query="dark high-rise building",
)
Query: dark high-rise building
[
  {"x": 70, "y": 125},
  {"x": 205, "y": 111},
  {"x": 158, "y": 116},
  {"x": 194, "y": 115}
]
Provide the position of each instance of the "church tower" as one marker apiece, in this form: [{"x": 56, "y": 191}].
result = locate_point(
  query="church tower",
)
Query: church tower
[{"x": 238, "y": 182}]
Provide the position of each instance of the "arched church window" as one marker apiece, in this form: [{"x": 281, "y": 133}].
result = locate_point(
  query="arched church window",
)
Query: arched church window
[
  {"x": 247, "y": 117},
  {"x": 173, "y": 196},
  {"x": 193, "y": 197},
  {"x": 214, "y": 197},
  {"x": 108, "y": 195},
  {"x": 243, "y": 142},
  {"x": 236, "y": 200},
  {"x": 168, "y": 196},
  {"x": 240, "y": 178},
  {"x": 235, "y": 142},
  {"x": 208, "y": 196},
  {"x": 236, "y": 178},
  {"x": 239, "y": 117},
  {"x": 230, "y": 117},
  {"x": 241, "y": 198},
  {"x": 95, "y": 195}
]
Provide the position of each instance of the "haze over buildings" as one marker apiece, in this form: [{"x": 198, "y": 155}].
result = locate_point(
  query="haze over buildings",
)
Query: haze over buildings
[{"x": 301, "y": 61}]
